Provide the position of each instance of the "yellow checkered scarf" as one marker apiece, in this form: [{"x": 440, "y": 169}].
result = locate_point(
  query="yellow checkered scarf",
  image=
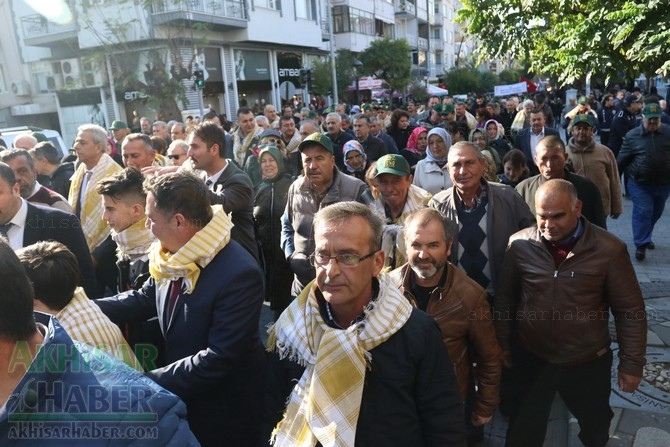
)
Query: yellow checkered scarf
[
  {"x": 240, "y": 148},
  {"x": 134, "y": 240},
  {"x": 95, "y": 229},
  {"x": 194, "y": 255},
  {"x": 325, "y": 404}
]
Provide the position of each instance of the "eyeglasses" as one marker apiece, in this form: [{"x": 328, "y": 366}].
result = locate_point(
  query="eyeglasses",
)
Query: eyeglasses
[
  {"x": 175, "y": 156},
  {"x": 345, "y": 260}
]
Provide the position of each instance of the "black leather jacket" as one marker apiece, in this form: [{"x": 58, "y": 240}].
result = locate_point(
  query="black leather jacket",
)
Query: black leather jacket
[{"x": 645, "y": 156}]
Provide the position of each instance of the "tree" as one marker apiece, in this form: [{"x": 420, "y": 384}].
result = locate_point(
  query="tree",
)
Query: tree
[
  {"x": 467, "y": 78},
  {"x": 156, "y": 72},
  {"x": 570, "y": 39},
  {"x": 323, "y": 78},
  {"x": 389, "y": 60},
  {"x": 344, "y": 61}
]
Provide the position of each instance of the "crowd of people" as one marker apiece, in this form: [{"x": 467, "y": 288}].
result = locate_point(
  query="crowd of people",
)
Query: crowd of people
[{"x": 424, "y": 265}]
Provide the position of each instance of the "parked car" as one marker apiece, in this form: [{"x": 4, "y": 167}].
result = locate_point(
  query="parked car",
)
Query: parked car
[{"x": 8, "y": 135}]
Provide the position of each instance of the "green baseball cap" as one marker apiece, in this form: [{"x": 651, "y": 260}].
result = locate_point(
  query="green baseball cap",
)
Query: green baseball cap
[
  {"x": 444, "y": 109},
  {"x": 317, "y": 139},
  {"x": 392, "y": 164},
  {"x": 652, "y": 110},
  {"x": 118, "y": 125},
  {"x": 582, "y": 100},
  {"x": 584, "y": 118}
]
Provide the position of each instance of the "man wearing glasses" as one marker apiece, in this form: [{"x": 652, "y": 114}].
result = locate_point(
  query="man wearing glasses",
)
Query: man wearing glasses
[
  {"x": 177, "y": 152},
  {"x": 374, "y": 371}
]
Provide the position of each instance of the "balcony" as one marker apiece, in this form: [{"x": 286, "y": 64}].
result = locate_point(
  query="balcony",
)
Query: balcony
[
  {"x": 437, "y": 19},
  {"x": 39, "y": 32},
  {"x": 437, "y": 44},
  {"x": 221, "y": 15},
  {"x": 325, "y": 31},
  {"x": 405, "y": 9},
  {"x": 412, "y": 40},
  {"x": 422, "y": 43}
]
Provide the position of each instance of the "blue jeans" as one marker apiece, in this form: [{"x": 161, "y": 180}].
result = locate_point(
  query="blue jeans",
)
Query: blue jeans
[{"x": 648, "y": 206}]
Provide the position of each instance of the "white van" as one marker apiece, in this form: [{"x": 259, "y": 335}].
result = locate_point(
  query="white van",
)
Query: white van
[{"x": 9, "y": 133}]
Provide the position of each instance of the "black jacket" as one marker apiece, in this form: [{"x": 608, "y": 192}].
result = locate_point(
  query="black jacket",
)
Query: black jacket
[
  {"x": 374, "y": 148},
  {"x": 410, "y": 396},
  {"x": 622, "y": 123},
  {"x": 645, "y": 156},
  {"x": 59, "y": 181},
  {"x": 43, "y": 224},
  {"x": 234, "y": 191}
]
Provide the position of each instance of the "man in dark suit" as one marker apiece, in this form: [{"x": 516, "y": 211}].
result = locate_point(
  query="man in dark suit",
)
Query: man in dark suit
[
  {"x": 207, "y": 292},
  {"x": 228, "y": 185},
  {"x": 527, "y": 139},
  {"x": 23, "y": 224}
]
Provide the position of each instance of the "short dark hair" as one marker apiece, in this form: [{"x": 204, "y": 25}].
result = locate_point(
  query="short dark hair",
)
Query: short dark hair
[
  {"x": 244, "y": 111},
  {"x": 342, "y": 211},
  {"x": 181, "y": 192},
  {"x": 11, "y": 154},
  {"x": 53, "y": 271},
  {"x": 47, "y": 151},
  {"x": 361, "y": 116},
  {"x": 7, "y": 174},
  {"x": 16, "y": 319},
  {"x": 211, "y": 134},
  {"x": 537, "y": 110},
  {"x": 146, "y": 139},
  {"x": 423, "y": 216},
  {"x": 126, "y": 185}
]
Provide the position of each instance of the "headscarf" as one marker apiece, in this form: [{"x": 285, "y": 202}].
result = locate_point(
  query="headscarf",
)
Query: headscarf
[
  {"x": 353, "y": 145},
  {"x": 501, "y": 129},
  {"x": 413, "y": 140},
  {"x": 276, "y": 154},
  {"x": 447, "y": 140}
]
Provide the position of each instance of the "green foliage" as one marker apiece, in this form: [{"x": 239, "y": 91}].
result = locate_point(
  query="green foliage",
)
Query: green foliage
[
  {"x": 569, "y": 39},
  {"x": 344, "y": 61},
  {"x": 322, "y": 73},
  {"x": 419, "y": 92},
  {"x": 466, "y": 79},
  {"x": 388, "y": 60}
]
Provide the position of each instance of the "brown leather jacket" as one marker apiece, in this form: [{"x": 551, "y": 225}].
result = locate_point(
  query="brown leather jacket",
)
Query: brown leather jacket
[
  {"x": 561, "y": 315},
  {"x": 461, "y": 310}
]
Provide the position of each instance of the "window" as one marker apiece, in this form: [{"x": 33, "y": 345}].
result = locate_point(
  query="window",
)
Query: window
[
  {"x": 438, "y": 58},
  {"x": 352, "y": 20},
  {"x": 305, "y": 9},
  {"x": 384, "y": 29},
  {"x": 270, "y": 4},
  {"x": 341, "y": 19}
]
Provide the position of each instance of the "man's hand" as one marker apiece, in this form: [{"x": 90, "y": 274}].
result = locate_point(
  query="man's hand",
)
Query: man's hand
[
  {"x": 628, "y": 383},
  {"x": 478, "y": 421}
]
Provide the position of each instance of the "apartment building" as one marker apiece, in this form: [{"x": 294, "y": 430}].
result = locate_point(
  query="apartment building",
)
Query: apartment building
[{"x": 93, "y": 61}]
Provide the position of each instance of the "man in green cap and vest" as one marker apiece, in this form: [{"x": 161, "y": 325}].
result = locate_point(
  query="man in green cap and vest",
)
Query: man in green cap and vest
[
  {"x": 398, "y": 197},
  {"x": 321, "y": 184}
]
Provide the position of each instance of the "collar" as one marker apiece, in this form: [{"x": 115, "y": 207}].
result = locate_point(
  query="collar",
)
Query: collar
[
  {"x": 36, "y": 188},
  {"x": 479, "y": 197},
  {"x": 215, "y": 178},
  {"x": 537, "y": 134},
  {"x": 21, "y": 215},
  {"x": 327, "y": 315},
  {"x": 579, "y": 231}
]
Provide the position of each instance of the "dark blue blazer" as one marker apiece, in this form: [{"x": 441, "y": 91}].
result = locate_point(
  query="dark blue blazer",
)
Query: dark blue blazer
[
  {"x": 214, "y": 353},
  {"x": 44, "y": 224},
  {"x": 522, "y": 142}
]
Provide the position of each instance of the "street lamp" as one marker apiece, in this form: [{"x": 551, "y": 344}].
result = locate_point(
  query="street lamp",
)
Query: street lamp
[{"x": 357, "y": 64}]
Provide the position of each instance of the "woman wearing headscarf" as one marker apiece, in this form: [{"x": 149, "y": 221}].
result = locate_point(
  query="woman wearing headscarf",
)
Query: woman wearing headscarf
[
  {"x": 431, "y": 173},
  {"x": 355, "y": 160},
  {"x": 480, "y": 139},
  {"x": 269, "y": 203},
  {"x": 496, "y": 133},
  {"x": 416, "y": 146}
]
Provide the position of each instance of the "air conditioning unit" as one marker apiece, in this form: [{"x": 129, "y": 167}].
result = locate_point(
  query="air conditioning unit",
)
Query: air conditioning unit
[
  {"x": 21, "y": 88},
  {"x": 93, "y": 77},
  {"x": 71, "y": 73}
]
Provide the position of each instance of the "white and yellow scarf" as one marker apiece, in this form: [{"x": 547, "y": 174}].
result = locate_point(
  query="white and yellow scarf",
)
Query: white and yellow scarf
[
  {"x": 240, "y": 148},
  {"x": 325, "y": 404},
  {"x": 194, "y": 255},
  {"x": 95, "y": 229},
  {"x": 133, "y": 241}
]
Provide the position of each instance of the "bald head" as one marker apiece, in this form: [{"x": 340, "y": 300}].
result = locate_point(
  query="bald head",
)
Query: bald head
[
  {"x": 556, "y": 188},
  {"x": 25, "y": 141}
]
